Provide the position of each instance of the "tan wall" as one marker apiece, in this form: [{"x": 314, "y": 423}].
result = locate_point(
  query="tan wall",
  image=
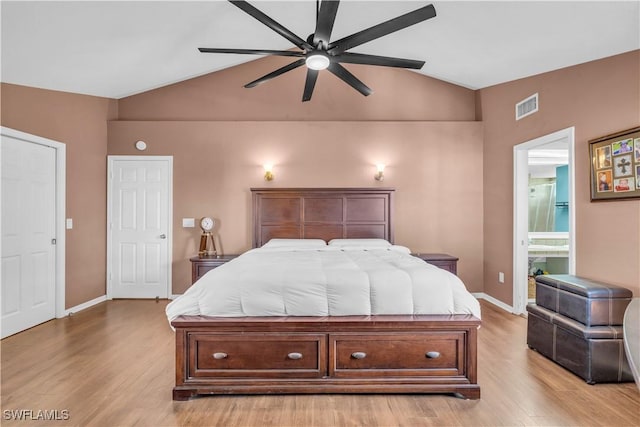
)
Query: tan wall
[
  {"x": 220, "y": 134},
  {"x": 217, "y": 161},
  {"x": 436, "y": 168},
  {"x": 598, "y": 98},
  {"x": 398, "y": 95},
  {"x": 80, "y": 122}
]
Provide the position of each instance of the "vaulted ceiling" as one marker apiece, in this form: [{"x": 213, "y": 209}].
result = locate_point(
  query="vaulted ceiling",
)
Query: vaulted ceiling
[{"x": 118, "y": 48}]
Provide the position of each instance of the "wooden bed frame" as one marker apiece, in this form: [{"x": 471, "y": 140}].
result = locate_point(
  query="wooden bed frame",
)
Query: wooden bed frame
[{"x": 346, "y": 354}]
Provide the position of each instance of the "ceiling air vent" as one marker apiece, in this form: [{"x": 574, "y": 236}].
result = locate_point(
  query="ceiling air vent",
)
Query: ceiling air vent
[{"x": 527, "y": 106}]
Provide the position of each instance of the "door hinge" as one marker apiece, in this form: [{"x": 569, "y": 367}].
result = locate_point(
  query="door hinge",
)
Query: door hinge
[{"x": 53, "y": 241}]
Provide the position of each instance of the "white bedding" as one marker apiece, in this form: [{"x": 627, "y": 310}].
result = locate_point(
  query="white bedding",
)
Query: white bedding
[{"x": 325, "y": 281}]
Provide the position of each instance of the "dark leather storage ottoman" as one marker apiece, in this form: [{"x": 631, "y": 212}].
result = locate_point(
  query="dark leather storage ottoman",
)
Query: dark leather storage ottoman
[
  {"x": 590, "y": 303},
  {"x": 595, "y": 353}
]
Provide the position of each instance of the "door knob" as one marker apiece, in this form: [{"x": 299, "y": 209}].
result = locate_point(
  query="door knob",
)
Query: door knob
[{"x": 163, "y": 236}]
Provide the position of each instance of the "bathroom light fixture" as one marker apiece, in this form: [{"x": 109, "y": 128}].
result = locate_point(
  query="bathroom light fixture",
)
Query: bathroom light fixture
[
  {"x": 379, "y": 176},
  {"x": 268, "y": 172}
]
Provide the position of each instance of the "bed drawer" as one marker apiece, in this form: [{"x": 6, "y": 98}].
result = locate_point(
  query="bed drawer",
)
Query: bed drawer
[
  {"x": 415, "y": 354},
  {"x": 257, "y": 355}
]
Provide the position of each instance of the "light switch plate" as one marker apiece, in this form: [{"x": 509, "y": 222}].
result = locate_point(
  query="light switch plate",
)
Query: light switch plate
[
  {"x": 69, "y": 223},
  {"x": 188, "y": 222}
]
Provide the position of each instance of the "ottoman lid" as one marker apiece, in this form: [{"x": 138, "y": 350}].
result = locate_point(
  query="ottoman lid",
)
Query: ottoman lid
[{"x": 585, "y": 287}]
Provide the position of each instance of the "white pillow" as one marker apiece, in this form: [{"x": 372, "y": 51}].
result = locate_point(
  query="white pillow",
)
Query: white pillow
[
  {"x": 368, "y": 243},
  {"x": 295, "y": 243}
]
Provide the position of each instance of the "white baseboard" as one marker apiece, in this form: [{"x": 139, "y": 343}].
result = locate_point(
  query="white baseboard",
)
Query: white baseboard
[
  {"x": 174, "y": 296},
  {"x": 494, "y": 301},
  {"x": 84, "y": 305}
]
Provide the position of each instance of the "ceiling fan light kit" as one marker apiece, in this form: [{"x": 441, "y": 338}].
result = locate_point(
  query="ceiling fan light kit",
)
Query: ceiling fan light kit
[
  {"x": 317, "y": 60},
  {"x": 319, "y": 53}
]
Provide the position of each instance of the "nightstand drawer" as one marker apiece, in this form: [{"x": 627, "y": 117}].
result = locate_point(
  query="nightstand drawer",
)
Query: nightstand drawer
[
  {"x": 444, "y": 261},
  {"x": 200, "y": 269},
  {"x": 200, "y": 265}
]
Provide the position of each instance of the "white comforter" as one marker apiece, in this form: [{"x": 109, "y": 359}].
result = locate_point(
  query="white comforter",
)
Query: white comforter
[{"x": 326, "y": 281}]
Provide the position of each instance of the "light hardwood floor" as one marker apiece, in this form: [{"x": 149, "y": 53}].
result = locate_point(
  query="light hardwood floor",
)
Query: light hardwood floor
[{"x": 113, "y": 365}]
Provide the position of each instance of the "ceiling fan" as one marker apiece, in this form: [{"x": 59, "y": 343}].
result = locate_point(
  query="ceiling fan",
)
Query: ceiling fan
[{"x": 319, "y": 53}]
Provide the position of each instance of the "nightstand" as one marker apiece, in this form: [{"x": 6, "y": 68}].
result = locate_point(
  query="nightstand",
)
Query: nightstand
[
  {"x": 444, "y": 261},
  {"x": 200, "y": 265}
]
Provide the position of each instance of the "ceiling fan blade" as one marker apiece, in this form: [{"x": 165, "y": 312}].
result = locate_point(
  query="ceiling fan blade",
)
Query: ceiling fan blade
[
  {"x": 349, "y": 78},
  {"x": 251, "y": 51},
  {"x": 276, "y": 73},
  {"x": 385, "y": 61},
  {"x": 326, "y": 18},
  {"x": 310, "y": 83},
  {"x": 275, "y": 26},
  {"x": 377, "y": 31}
]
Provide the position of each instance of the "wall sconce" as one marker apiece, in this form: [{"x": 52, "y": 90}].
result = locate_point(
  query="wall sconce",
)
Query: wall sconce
[
  {"x": 379, "y": 176},
  {"x": 268, "y": 172}
]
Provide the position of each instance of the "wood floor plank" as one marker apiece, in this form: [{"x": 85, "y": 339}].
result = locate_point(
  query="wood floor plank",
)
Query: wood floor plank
[{"x": 113, "y": 365}]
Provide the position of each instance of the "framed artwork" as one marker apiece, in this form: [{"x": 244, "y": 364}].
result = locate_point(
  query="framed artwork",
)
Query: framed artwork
[{"x": 615, "y": 166}]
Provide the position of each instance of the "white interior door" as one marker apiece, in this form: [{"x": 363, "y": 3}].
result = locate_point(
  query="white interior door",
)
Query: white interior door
[
  {"x": 139, "y": 232},
  {"x": 28, "y": 234},
  {"x": 521, "y": 209}
]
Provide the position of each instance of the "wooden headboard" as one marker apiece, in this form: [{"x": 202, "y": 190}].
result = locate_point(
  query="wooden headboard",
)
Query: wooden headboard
[{"x": 322, "y": 213}]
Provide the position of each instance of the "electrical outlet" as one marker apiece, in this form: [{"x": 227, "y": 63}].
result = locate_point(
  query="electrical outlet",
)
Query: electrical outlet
[{"x": 501, "y": 277}]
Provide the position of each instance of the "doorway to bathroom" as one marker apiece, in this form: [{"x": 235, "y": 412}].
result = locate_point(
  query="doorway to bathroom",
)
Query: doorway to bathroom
[{"x": 544, "y": 212}]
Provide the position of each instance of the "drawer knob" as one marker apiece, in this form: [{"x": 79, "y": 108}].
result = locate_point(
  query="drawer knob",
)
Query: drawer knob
[
  {"x": 432, "y": 354},
  {"x": 294, "y": 356},
  {"x": 220, "y": 355},
  {"x": 359, "y": 355}
]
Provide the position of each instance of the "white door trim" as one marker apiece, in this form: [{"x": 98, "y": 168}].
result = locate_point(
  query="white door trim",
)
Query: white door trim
[
  {"x": 61, "y": 197},
  {"x": 110, "y": 161},
  {"x": 521, "y": 214}
]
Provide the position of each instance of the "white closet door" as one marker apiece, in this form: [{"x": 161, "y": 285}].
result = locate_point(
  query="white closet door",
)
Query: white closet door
[
  {"x": 28, "y": 234},
  {"x": 139, "y": 228}
]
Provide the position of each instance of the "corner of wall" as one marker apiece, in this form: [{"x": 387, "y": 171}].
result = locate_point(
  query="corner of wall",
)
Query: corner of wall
[
  {"x": 113, "y": 108},
  {"x": 478, "y": 104}
]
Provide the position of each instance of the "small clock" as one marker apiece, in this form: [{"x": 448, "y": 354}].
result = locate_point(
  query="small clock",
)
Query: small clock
[
  {"x": 207, "y": 242},
  {"x": 207, "y": 223}
]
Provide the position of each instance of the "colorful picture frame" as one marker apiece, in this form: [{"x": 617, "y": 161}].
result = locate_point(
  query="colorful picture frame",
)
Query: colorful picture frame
[{"x": 615, "y": 166}]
